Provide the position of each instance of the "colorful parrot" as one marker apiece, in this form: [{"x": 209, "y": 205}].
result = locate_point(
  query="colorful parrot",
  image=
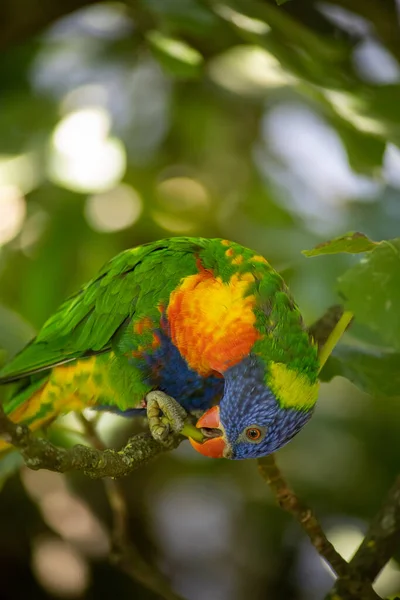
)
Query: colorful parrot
[{"x": 203, "y": 325}]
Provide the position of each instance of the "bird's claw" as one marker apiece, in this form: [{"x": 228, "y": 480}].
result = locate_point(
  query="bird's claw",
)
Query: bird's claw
[{"x": 161, "y": 405}]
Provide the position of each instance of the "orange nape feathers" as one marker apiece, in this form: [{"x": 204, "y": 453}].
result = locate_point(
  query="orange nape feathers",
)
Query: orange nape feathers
[{"x": 212, "y": 322}]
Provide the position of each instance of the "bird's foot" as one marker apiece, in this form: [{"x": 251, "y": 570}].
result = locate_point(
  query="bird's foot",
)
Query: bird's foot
[{"x": 161, "y": 405}]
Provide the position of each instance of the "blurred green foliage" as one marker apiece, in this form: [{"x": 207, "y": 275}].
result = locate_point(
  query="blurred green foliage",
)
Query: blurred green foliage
[
  {"x": 276, "y": 126},
  {"x": 372, "y": 290}
]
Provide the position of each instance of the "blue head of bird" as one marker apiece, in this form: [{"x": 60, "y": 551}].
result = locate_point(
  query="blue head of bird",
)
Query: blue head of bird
[{"x": 262, "y": 409}]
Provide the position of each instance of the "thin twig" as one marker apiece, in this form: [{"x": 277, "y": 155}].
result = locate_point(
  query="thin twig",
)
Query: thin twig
[
  {"x": 288, "y": 500},
  {"x": 322, "y": 328},
  {"x": 335, "y": 336},
  {"x": 355, "y": 588},
  {"x": 328, "y": 330},
  {"x": 124, "y": 554},
  {"x": 383, "y": 537}
]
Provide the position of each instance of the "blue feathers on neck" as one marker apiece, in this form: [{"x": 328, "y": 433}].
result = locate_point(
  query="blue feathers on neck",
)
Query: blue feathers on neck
[{"x": 171, "y": 374}]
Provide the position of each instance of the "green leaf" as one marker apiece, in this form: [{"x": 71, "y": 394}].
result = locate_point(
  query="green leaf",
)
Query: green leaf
[
  {"x": 371, "y": 290},
  {"x": 176, "y": 56},
  {"x": 375, "y": 372},
  {"x": 352, "y": 242},
  {"x": 280, "y": 2}
]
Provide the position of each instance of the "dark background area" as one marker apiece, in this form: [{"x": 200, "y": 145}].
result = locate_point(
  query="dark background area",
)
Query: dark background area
[{"x": 277, "y": 127}]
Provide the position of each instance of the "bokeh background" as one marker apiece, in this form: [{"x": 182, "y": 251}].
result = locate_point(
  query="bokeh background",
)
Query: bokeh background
[{"x": 277, "y": 127}]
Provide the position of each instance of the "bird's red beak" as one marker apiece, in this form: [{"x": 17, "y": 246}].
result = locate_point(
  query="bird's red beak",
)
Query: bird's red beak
[{"x": 214, "y": 444}]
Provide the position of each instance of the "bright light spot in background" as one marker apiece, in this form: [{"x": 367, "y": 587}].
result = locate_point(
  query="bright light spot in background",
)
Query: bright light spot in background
[
  {"x": 67, "y": 514},
  {"x": 172, "y": 223},
  {"x": 72, "y": 519},
  {"x": 248, "y": 70},
  {"x": 388, "y": 581},
  {"x": 313, "y": 166},
  {"x": 59, "y": 568},
  {"x": 22, "y": 170},
  {"x": 241, "y": 21},
  {"x": 374, "y": 63},
  {"x": 182, "y": 194},
  {"x": 114, "y": 210},
  {"x": 45, "y": 483},
  {"x": 346, "y": 539},
  {"x": 183, "y": 202},
  {"x": 81, "y": 131},
  {"x": 12, "y": 212},
  {"x": 83, "y": 157}
]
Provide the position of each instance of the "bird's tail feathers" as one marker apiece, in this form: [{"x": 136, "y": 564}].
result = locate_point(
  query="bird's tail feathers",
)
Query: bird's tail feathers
[{"x": 25, "y": 406}]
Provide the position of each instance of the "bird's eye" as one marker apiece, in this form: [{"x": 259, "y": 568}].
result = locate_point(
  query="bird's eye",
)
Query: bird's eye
[{"x": 254, "y": 434}]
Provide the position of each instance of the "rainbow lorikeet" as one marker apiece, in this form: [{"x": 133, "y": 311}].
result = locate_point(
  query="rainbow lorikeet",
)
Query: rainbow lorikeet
[{"x": 204, "y": 321}]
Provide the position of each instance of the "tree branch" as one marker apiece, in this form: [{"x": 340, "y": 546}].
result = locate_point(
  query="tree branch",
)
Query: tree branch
[
  {"x": 324, "y": 326},
  {"x": 352, "y": 583},
  {"x": 381, "y": 541},
  {"x": 383, "y": 537},
  {"x": 354, "y": 588},
  {"x": 39, "y": 453},
  {"x": 288, "y": 500}
]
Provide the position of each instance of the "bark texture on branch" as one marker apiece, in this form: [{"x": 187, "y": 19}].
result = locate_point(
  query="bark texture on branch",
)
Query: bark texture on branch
[
  {"x": 39, "y": 453},
  {"x": 354, "y": 587},
  {"x": 380, "y": 543}
]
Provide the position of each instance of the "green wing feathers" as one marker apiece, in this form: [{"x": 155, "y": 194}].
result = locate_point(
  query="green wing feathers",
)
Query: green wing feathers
[
  {"x": 78, "y": 358},
  {"x": 88, "y": 321},
  {"x": 84, "y": 324}
]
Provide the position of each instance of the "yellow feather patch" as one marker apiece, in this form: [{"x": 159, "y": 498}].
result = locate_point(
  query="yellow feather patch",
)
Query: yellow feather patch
[
  {"x": 70, "y": 387},
  {"x": 258, "y": 258},
  {"x": 291, "y": 388},
  {"x": 237, "y": 260}
]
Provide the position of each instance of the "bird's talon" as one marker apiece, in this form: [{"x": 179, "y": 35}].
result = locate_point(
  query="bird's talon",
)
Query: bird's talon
[
  {"x": 160, "y": 404},
  {"x": 160, "y": 432}
]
